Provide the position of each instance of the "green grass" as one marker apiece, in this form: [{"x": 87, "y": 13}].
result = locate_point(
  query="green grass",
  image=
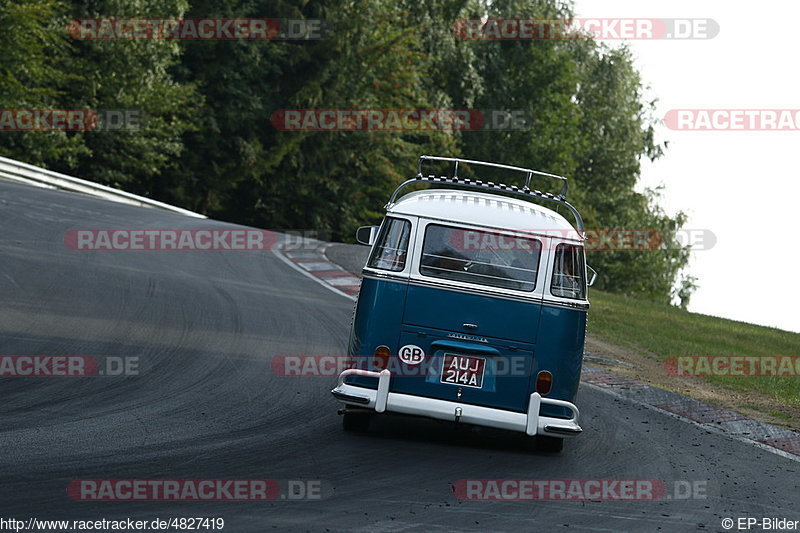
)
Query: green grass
[
  {"x": 664, "y": 331},
  {"x": 778, "y": 414}
]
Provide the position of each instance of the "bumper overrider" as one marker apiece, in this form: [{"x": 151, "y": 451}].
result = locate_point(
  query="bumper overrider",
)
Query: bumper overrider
[{"x": 531, "y": 422}]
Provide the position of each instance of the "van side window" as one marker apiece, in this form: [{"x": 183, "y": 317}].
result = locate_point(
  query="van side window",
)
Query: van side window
[
  {"x": 569, "y": 272},
  {"x": 482, "y": 257},
  {"x": 391, "y": 248}
]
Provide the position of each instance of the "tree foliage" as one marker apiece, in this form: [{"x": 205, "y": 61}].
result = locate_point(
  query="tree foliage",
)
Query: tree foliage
[{"x": 207, "y": 142}]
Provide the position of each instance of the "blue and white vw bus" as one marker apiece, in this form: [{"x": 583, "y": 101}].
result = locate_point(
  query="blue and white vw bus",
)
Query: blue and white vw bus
[{"x": 472, "y": 307}]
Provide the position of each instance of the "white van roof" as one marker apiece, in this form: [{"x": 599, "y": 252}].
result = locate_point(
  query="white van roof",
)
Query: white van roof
[{"x": 482, "y": 209}]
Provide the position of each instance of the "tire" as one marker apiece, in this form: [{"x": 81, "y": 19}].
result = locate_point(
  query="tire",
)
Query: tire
[
  {"x": 549, "y": 444},
  {"x": 356, "y": 422}
]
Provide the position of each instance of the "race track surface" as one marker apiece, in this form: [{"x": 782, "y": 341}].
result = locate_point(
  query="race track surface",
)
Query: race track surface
[{"x": 205, "y": 326}]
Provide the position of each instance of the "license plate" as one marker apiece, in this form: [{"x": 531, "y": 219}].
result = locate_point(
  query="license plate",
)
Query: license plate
[{"x": 463, "y": 370}]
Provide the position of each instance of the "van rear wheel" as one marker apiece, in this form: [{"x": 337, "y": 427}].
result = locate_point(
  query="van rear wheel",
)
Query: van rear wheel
[
  {"x": 356, "y": 422},
  {"x": 549, "y": 444}
]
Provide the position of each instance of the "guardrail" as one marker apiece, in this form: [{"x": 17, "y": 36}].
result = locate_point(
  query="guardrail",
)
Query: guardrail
[{"x": 40, "y": 177}]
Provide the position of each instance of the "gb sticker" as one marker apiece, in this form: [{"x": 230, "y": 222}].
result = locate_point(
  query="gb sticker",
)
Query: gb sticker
[{"x": 411, "y": 354}]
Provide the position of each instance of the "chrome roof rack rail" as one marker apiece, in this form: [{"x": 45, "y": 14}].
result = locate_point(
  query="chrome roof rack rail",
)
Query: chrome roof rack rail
[{"x": 497, "y": 188}]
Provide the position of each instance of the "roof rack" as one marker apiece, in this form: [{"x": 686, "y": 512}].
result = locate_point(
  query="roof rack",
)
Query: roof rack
[{"x": 525, "y": 191}]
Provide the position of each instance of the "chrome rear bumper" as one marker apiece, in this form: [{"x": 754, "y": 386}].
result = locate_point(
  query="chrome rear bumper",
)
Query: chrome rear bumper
[{"x": 531, "y": 423}]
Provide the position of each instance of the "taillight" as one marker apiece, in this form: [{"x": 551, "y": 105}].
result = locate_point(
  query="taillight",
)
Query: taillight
[
  {"x": 544, "y": 382},
  {"x": 381, "y": 359}
]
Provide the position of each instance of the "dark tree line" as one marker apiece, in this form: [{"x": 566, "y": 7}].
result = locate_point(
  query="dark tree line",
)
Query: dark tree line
[{"x": 206, "y": 141}]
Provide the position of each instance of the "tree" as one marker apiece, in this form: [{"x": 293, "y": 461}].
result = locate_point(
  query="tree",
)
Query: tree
[
  {"x": 328, "y": 181},
  {"x": 587, "y": 120},
  {"x": 213, "y": 141},
  {"x": 617, "y": 131},
  {"x": 122, "y": 75},
  {"x": 32, "y": 47}
]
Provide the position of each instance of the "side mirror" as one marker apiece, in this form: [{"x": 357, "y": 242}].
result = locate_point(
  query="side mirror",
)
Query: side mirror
[
  {"x": 367, "y": 235},
  {"x": 593, "y": 276}
]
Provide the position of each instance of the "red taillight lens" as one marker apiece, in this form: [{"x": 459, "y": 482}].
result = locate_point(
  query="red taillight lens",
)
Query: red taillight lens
[
  {"x": 544, "y": 382},
  {"x": 381, "y": 359}
]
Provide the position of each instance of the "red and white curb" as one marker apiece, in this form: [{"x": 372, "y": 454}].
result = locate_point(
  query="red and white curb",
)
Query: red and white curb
[{"x": 314, "y": 264}]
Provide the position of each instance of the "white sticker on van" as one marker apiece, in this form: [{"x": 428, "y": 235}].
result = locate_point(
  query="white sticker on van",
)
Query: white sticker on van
[{"x": 411, "y": 354}]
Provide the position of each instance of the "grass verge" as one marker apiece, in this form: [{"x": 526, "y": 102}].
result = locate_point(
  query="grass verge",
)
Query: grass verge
[{"x": 660, "y": 332}]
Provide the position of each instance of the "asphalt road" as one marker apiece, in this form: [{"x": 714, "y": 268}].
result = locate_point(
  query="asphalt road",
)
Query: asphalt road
[{"x": 205, "y": 325}]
